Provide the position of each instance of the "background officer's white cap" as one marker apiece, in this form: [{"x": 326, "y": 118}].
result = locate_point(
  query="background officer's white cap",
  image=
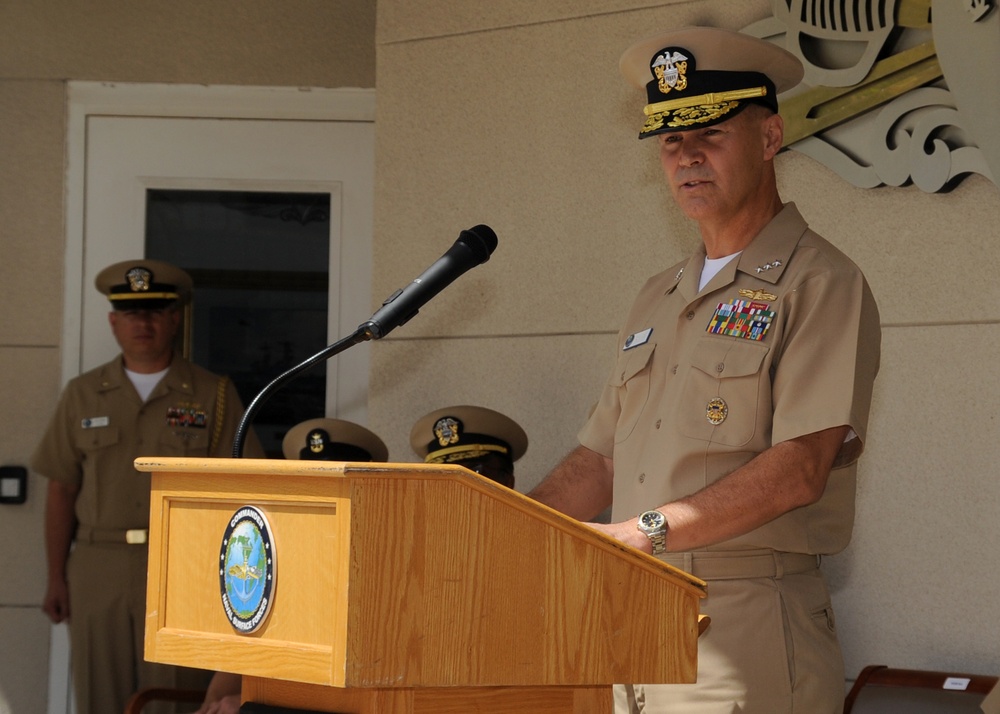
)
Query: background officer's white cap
[
  {"x": 328, "y": 439},
  {"x": 464, "y": 432},
  {"x": 144, "y": 284}
]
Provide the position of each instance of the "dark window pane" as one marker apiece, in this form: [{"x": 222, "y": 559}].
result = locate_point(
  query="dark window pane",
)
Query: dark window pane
[{"x": 259, "y": 261}]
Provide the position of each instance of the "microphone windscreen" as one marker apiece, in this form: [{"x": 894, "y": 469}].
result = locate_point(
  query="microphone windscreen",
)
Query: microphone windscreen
[{"x": 481, "y": 240}]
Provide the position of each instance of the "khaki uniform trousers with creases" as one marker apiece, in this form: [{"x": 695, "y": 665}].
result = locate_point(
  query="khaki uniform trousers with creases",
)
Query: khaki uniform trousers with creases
[
  {"x": 107, "y": 587},
  {"x": 771, "y": 648}
]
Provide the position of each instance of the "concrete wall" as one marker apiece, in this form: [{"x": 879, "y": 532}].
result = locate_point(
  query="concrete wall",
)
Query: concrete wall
[
  {"x": 297, "y": 43},
  {"x": 513, "y": 114}
]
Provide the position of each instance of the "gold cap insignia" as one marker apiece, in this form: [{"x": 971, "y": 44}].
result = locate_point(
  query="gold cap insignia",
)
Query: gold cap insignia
[
  {"x": 447, "y": 430},
  {"x": 317, "y": 441},
  {"x": 716, "y": 411},
  {"x": 139, "y": 279},
  {"x": 670, "y": 71}
]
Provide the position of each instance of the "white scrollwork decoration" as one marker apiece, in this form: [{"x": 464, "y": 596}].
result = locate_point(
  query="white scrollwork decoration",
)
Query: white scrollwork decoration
[{"x": 931, "y": 136}]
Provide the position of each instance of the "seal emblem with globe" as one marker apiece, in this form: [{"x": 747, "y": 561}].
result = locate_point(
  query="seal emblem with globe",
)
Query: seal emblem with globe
[{"x": 247, "y": 569}]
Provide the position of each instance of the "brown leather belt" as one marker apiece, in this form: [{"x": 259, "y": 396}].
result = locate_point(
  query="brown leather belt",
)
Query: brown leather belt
[
  {"x": 741, "y": 564},
  {"x": 132, "y": 536}
]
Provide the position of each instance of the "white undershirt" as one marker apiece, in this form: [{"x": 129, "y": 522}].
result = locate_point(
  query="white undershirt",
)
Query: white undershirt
[
  {"x": 712, "y": 267},
  {"x": 145, "y": 383}
]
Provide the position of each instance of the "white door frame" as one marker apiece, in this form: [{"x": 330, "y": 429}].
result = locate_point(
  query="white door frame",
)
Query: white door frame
[
  {"x": 177, "y": 100},
  {"x": 86, "y": 99}
]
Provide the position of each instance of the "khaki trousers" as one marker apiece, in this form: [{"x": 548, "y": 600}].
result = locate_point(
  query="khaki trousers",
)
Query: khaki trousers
[
  {"x": 107, "y": 591},
  {"x": 771, "y": 647}
]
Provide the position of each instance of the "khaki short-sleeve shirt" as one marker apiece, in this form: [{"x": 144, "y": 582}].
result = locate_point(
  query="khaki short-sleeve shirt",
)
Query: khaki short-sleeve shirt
[
  {"x": 784, "y": 341},
  {"x": 101, "y": 426}
]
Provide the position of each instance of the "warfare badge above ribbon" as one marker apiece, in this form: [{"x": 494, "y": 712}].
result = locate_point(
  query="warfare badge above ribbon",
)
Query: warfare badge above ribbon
[{"x": 247, "y": 569}]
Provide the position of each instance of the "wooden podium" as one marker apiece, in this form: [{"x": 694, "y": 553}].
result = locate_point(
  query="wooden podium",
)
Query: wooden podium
[{"x": 403, "y": 588}]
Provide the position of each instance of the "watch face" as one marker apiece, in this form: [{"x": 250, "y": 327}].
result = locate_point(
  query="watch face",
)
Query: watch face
[{"x": 651, "y": 520}]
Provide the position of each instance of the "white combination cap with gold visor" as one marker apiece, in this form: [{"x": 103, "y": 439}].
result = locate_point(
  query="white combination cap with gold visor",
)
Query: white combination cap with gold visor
[{"x": 700, "y": 76}]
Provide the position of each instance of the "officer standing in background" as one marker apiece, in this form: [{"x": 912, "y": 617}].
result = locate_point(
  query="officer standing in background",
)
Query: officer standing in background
[
  {"x": 480, "y": 439},
  {"x": 727, "y": 435},
  {"x": 148, "y": 401}
]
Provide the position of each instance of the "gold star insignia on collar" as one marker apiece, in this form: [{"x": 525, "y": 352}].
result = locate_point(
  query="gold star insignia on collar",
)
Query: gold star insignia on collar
[{"x": 757, "y": 294}]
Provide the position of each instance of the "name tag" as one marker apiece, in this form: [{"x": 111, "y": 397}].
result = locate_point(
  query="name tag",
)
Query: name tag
[
  {"x": 94, "y": 422},
  {"x": 637, "y": 338}
]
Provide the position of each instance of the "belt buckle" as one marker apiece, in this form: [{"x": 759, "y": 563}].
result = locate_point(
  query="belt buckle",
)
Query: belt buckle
[{"x": 136, "y": 536}]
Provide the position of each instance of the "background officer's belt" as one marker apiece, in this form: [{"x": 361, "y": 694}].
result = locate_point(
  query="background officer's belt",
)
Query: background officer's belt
[
  {"x": 740, "y": 564},
  {"x": 133, "y": 536}
]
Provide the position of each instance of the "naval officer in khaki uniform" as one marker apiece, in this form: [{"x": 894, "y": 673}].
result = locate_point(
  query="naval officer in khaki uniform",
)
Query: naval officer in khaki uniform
[
  {"x": 727, "y": 435},
  {"x": 148, "y": 401}
]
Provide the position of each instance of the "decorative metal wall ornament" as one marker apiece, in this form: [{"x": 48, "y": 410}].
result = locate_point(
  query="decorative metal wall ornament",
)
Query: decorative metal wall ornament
[{"x": 895, "y": 91}]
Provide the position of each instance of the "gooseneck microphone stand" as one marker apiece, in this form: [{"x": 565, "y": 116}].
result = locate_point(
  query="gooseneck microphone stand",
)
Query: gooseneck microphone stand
[{"x": 362, "y": 334}]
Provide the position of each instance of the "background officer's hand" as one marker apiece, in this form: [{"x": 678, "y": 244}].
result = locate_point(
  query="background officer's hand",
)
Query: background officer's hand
[{"x": 56, "y": 602}]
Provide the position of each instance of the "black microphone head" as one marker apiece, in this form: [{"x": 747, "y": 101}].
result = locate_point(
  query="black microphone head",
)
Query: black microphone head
[{"x": 481, "y": 240}]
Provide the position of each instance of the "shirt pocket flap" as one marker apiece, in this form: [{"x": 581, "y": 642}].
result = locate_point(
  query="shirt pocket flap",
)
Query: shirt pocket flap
[
  {"x": 94, "y": 438},
  {"x": 631, "y": 362},
  {"x": 632, "y": 380},
  {"x": 724, "y": 358}
]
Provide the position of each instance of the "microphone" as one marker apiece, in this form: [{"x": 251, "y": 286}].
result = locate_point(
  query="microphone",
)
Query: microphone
[{"x": 473, "y": 247}]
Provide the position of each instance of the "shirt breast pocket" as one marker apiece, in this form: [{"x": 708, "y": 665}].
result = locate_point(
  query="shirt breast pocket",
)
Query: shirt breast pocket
[
  {"x": 631, "y": 378},
  {"x": 723, "y": 391}
]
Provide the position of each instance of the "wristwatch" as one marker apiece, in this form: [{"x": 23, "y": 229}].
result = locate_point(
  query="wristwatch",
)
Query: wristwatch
[{"x": 654, "y": 525}]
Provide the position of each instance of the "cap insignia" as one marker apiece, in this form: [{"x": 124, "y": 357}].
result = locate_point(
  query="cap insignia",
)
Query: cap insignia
[
  {"x": 716, "y": 411},
  {"x": 139, "y": 279},
  {"x": 448, "y": 430},
  {"x": 670, "y": 71},
  {"x": 316, "y": 442}
]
